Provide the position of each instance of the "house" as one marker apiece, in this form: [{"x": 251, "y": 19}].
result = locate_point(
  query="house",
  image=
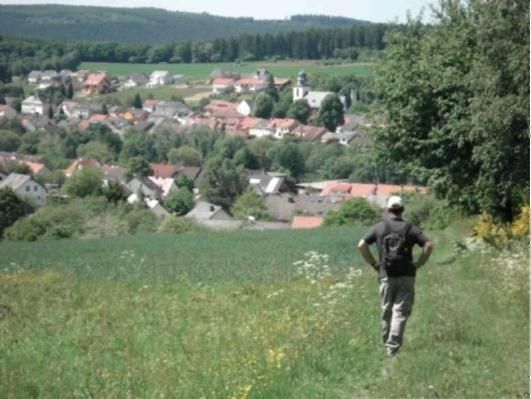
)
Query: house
[
  {"x": 282, "y": 127},
  {"x": 97, "y": 83},
  {"x": 34, "y": 77},
  {"x": 25, "y": 187},
  {"x": 81, "y": 163},
  {"x": 135, "y": 80},
  {"x": 261, "y": 129},
  {"x": 112, "y": 174},
  {"x": 171, "y": 109},
  {"x": 166, "y": 184},
  {"x": 310, "y": 133},
  {"x": 163, "y": 170},
  {"x": 49, "y": 76},
  {"x": 206, "y": 211},
  {"x": 150, "y": 105},
  {"x": 179, "y": 80},
  {"x": 142, "y": 186},
  {"x": 222, "y": 109},
  {"x": 74, "y": 109},
  {"x": 194, "y": 173},
  {"x": 306, "y": 222},
  {"x": 315, "y": 205},
  {"x": 7, "y": 112},
  {"x": 35, "y": 105},
  {"x": 159, "y": 78},
  {"x": 245, "y": 107},
  {"x": 249, "y": 85},
  {"x": 158, "y": 210},
  {"x": 222, "y": 85},
  {"x": 36, "y": 163},
  {"x": 268, "y": 183}
]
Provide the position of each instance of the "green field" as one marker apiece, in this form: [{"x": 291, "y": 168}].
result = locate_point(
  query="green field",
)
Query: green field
[
  {"x": 200, "y": 72},
  {"x": 229, "y": 315}
]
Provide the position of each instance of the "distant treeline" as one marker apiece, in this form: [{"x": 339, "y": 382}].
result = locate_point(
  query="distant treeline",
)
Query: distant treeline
[
  {"x": 146, "y": 25},
  {"x": 19, "y": 56}
]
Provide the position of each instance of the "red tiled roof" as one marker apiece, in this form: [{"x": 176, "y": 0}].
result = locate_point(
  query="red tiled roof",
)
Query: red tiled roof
[
  {"x": 311, "y": 133},
  {"x": 35, "y": 167},
  {"x": 285, "y": 123},
  {"x": 98, "y": 118},
  {"x": 350, "y": 189},
  {"x": 249, "y": 122},
  {"x": 223, "y": 81},
  {"x": 95, "y": 79},
  {"x": 2, "y": 107},
  {"x": 306, "y": 222},
  {"x": 84, "y": 124},
  {"x": 163, "y": 170},
  {"x": 250, "y": 81},
  {"x": 80, "y": 164}
]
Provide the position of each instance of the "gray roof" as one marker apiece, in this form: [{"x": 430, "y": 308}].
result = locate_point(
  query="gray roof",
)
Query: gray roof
[
  {"x": 14, "y": 181},
  {"x": 310, "y": 204},
  {"x": 206, "y": 211}
]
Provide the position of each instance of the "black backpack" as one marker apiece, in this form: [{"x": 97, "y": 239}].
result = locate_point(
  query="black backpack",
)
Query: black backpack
[{"x": 395, "y": 247}]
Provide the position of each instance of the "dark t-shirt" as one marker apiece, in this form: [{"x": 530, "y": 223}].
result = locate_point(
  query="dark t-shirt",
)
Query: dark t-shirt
[{"x": 414, "y": 236}]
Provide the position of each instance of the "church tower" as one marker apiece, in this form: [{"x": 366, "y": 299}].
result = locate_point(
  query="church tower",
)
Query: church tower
[{"x": 301, "y": 89}]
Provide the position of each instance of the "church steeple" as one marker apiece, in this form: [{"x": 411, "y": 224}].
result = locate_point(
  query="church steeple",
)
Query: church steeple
[{"x": 301, "y": 89}]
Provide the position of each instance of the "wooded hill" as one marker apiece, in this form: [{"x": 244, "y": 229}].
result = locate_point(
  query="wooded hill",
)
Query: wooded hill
[{"x": 146, "y": 25}]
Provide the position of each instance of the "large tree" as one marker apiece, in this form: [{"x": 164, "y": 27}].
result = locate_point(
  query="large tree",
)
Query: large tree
[
  {"x": 331, "y": 113},
  {"x": 223, "y": 182},
  {"x": 457, "y": 102}
]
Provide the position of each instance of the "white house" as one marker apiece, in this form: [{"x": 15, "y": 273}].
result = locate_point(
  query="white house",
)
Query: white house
[
  {"x": 314, "y": 98},
  {"x": 145, "y": 187},
  {"x": 166, "y": 184},
  {"x": 34, "y": 105},
  {"x": 34, "y": 77},
  {"x": 135, "y": 80},
  {"x": 159, "y": 78},
  {"x": 247, "y": 85},
  {"x": 221, "y": 85},
  {"x": 262, "y": 129},
  {"x": 25, "y": 187}
]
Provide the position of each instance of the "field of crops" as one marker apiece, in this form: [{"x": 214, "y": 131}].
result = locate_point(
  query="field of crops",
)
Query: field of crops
[
  {"x": 200, "y": 72},
  {"x": 284, "y": 314},
  {"x": 165, "y": 93}
]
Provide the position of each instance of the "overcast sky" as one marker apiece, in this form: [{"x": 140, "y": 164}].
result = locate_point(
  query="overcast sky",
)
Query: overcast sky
[{"x": 370, "y": 10}]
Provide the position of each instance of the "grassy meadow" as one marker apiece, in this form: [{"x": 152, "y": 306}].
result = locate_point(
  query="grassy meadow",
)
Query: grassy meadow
[
  {"x": 160, "y": 93},
  {"x": 248, "y": 314},
  {"x": 201, "y": 72}
]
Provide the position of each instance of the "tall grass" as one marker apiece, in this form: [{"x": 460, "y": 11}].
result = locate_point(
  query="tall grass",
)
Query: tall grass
[{"x": 254, "y": 315}]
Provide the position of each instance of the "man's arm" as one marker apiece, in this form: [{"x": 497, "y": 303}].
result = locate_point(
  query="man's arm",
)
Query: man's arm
[
  {"x": 363, "y": 247},
  {"x": 427, "y": 248}
]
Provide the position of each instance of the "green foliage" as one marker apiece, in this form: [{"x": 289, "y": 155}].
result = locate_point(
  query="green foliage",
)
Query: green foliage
[
  {"x": 244, "y": 157},
  {"x": 250, "y": 204},
  {"x": 300, "y": 110},
  {"x": 84, "y": 182},
  {"x": 457, "y": 99},
  {"x": 331, "y": 112},
  {"x": 12, "y": 208},
  {"x": 180, "y": 202},
  {"x": 223, "y": 182},
  {"x": 287, "y": 157},
  {"x": 114, "y": 192},
  {"x": 138, "y": 166},
  {"x": 9, "y": 141},
  {"x": 137, "y": 101},
  {"x": 48, "y": 223},
  {"x": 355, "y": 211},
  {"x": 263, "y": 107},
  {"x": 185, "y": 155},
  {"x": 179, "y": 225},
  {"x": 183, "y": 181},
  {"x": 140, "y": 220},
  {"x": 96, "y": 150},
  {"x": 428, "y": 212}
]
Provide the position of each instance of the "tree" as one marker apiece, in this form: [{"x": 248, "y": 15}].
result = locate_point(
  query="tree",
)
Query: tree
[
  {"x": 287, "y": 157},
  {"x": 115, "y": 192},
  {"x": 184, "y": 181},
  {"x": 12, "y": 208},
  {"x": 300, "y": 110},
  {"x": 70, "y": 91},
  {"x": 457, "y": 102},
  {"x": 223, "y": 182},
  {"x": 250, "y": 204},
  {"x": 271, "y": 89},
  {"x": 95, "y": 149},
  {"x": 331, "y": 113},
  {"x": 9, "y": 141},
  {"x": 180, "y": 202},
  {"x": 185, "y": 155},
  {"x": 137, "y": 101},
  {"x": 356, "y": 211},
  {"x": 50, "y": 112},
  {"x": 264, "y": 106},
  {"x": 138, "y": 166},
  {"x": 84, "y": 182}
]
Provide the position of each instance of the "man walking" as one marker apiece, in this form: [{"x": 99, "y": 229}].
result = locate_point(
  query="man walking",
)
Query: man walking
[{"x": 396, "y": 269}]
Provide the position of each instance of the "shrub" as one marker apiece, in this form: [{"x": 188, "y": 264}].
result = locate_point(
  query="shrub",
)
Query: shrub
[
  {"x": 12, "y": 208},
  {"x": 179, "y": 225},
  {"x": 251, "y": 204},
  {"x": 353, "y": 212},
  {"x": 180, "y": 202}
]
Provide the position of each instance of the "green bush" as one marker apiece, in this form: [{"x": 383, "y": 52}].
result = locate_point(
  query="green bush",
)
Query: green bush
[
  {"x": 180, "y": 202},
  {"x": 179, "y": 225},
  {"x": 428, "y": 212},
  {"x": 250, "y": 204},
  {"x": 356, "y": 211}
]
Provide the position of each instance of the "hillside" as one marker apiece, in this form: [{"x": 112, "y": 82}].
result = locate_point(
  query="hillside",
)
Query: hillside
[
  {"x": 227, "y": 315},
  {"x": 144, "y": 25}
]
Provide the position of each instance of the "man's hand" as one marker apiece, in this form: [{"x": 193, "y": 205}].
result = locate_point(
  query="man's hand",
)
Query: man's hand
[{"x": 367, "y": 255}]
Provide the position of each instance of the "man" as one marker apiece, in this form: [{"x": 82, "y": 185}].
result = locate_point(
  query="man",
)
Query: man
[{"x": 395, "y": 239}]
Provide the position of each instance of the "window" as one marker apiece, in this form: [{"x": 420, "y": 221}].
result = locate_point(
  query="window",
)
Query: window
[
  {"x": 35, "y": 188},
  {"x": 28, "y": 188}
]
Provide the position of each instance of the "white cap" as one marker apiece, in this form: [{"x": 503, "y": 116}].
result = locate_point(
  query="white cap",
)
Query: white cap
[{"x": 395, "y": 202}]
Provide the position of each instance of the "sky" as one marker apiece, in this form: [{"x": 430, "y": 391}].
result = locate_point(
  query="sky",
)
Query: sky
[{"x": 369, "y": 10}]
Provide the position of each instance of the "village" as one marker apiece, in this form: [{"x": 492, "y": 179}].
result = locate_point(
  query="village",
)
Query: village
[{"x": 292, "y": 204}]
